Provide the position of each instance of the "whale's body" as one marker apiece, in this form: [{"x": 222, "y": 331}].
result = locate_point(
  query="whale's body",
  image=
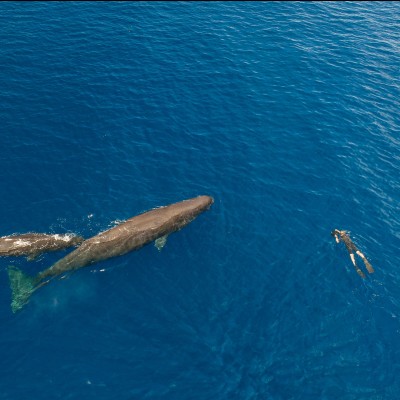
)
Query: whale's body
[
  {"x": 33, "y": 244},
  {"x": 130, "y": 235}
]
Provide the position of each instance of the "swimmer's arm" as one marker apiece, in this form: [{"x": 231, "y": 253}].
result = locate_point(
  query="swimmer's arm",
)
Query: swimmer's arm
[{"x": 337, "y": 238}]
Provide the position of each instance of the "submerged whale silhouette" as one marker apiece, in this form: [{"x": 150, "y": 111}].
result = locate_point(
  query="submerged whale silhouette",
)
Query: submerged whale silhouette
[
  {"x": 123, "y": 238},
  {"x": 33, "y": 244}
]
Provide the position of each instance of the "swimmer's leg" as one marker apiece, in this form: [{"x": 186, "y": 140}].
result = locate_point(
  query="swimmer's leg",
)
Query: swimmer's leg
[
  {"x": 366, "y": 262},
  {"x": 359, "y": 272}
]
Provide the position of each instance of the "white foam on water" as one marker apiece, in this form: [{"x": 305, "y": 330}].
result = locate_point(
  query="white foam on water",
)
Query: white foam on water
[
  {"x": 116, "y": 222},
  {"x": 65, "y": 238}
]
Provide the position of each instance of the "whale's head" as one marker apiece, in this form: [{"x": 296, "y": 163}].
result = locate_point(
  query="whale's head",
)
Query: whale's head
[
  {"x": 197, "y": 204},
  {"x": 204, "y": 202}
]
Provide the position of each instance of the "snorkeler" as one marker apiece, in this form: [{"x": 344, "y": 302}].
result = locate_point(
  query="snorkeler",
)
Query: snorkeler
[{"x": 352, "y": 248}]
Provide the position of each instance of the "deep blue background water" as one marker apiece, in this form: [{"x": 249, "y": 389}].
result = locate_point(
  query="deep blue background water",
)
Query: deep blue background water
[{"x": 288, "y": 115}]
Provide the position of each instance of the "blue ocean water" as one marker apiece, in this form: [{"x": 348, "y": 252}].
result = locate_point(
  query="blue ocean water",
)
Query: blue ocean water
[{"x": 287, "y": 114}]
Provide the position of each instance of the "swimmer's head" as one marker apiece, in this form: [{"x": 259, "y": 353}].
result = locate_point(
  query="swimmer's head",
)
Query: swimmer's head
[{"x": 335, "y": 232}]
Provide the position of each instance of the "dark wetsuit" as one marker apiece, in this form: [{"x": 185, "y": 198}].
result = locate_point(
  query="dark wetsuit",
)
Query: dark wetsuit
[{"x": 351, "y": 247}]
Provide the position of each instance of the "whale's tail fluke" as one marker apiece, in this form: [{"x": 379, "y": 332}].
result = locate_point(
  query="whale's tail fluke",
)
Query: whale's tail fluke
[{"x": 22, "y": 286}]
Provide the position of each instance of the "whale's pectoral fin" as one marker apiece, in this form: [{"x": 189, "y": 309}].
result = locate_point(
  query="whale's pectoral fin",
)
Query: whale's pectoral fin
[
  {"x": 160, "y": 242},
  {"x": 22, "y": 286},
  {"x": 33, "y": 256}
]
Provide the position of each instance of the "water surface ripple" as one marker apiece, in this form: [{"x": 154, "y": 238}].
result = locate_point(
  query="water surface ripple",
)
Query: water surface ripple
[{"x": 286, "y": 113}]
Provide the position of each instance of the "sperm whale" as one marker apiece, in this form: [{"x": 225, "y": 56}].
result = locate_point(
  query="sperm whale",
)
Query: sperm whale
[
  {"x": 128, "y": 236},
  {"x": 33, "y": 244}
]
